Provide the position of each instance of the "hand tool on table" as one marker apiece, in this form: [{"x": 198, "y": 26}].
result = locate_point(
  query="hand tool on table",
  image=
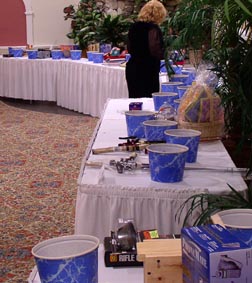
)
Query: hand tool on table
[{"x": 132, "y": 144}]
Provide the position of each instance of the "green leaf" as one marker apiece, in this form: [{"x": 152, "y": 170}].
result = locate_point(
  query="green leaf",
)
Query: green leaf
[
  {"x": 226, "y": 9},
  {"x": 243, "y": 7}
]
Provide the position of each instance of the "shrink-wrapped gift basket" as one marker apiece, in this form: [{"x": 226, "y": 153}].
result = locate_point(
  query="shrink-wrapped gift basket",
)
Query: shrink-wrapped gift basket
[{"x": 200, "y": 107}]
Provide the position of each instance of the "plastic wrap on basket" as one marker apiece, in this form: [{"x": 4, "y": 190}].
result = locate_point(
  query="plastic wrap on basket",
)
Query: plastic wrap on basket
[{"x": 200, "y": 107}]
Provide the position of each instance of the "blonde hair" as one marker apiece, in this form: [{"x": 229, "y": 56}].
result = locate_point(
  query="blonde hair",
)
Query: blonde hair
[{"x": 153, "y": 11}]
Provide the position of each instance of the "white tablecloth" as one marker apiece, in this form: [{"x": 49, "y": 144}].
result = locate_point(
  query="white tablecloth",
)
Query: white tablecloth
[
  {"x": 105, "y": 195},
  {"x": 76, "y": 85}
]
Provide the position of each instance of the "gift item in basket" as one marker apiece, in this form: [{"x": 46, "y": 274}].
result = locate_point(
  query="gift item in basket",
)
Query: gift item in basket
[{"x": 200, "y": 109}]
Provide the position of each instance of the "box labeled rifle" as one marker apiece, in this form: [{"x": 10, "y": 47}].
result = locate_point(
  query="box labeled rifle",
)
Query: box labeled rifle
[{"x": 115, "y": 257}]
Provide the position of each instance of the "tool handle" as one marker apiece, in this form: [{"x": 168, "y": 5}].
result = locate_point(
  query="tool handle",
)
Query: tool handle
[
  {"x": 94, "y": 164},
  {"x": 105, "y": 150}
]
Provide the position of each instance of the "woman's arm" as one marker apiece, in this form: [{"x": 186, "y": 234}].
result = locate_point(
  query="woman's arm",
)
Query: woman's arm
[{"x": 156, "y": 44}]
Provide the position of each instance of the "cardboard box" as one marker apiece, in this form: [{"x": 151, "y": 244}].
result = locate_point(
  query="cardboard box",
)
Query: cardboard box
[{"x": 211, "y": 254}]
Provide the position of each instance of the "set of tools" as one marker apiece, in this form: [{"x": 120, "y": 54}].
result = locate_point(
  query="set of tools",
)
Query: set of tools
[{"x": 135, "y": 145}]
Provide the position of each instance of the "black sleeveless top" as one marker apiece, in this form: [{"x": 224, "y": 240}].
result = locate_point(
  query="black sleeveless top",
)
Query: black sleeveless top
[
  {"x": 145, "y": 45},
  {"x": 145, "y": 40}
]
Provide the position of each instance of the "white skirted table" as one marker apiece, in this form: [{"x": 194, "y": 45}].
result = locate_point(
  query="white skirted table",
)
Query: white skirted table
[
  {"x": 77, "y": 85},
  {"x": 104, "y": 195}
]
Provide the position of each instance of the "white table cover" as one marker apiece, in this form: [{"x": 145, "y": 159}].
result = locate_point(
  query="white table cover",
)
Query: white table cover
[
  {"x": 76, "y": 85},
  {"x": 29, "y": 79},
  {"x": 105, "y": 195}
]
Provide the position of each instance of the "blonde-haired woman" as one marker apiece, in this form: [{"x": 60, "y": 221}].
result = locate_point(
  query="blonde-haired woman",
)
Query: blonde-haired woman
[{"x": 145, "y": 45}]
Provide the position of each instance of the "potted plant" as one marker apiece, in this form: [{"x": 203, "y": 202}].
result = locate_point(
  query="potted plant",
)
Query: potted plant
[
  {"x": 209, "y": 204},
  {"x": 231, "y": 53},
  {"x": 190, "y": 26},
  {"x": 84, "y": 21},
  {"x": 223, "y": 31},
  {"x": 113, "y": 29},
  {"x": 230, "y": 50}
]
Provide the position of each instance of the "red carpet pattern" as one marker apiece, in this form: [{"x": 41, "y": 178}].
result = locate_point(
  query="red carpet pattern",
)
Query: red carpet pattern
[{"x": 40, "y": 159}]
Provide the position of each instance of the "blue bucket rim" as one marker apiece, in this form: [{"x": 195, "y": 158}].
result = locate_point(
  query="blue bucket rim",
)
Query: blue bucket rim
[
  {"x": 235, "y": 211},
  {"x": 161, "y": 94},
  {"x": 173, "y": 148},
  {"x": 184, "y": 87},
  {"x": 172, "y": 83},
  {"x": 179, "y": 76},
  {"x": 178, "y": 133},
  {"x": 62, "y": 239},
  {"x": 160, "y": 123},
  {"x": 139, "y": 113}
]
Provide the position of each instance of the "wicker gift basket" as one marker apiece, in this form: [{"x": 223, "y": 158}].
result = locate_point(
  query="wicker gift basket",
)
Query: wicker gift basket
[{"x": 200, "y": 108}]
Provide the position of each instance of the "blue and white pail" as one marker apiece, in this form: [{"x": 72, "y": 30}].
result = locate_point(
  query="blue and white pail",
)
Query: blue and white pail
[
  {"x": 239, "y": 223},
  {"x": 159, "y": 98},
  {"x": 75, "y": 54},
  {"x": 134, "y": 121},
  {"x": 167, "y": 162},
  {"x": 71, "y": 258},
  {"x": 32, "y": 54},
  {"x": 56, "y": 54},
  {"x": 154, "y": 129},
  {"x": 98, "y": 57},
  {"x": 170, "y": 86},
  {"x": 17, "y": 52},
  {"x": 187, "y": 137}
]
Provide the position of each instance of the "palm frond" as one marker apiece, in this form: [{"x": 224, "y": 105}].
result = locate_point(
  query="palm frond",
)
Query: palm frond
[{"x": 200, "y": 207}]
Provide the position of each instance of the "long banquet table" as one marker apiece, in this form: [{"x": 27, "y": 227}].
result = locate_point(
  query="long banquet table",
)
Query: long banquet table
[
  {"x": 104, "y": 196},
  {"x": 77, "y": 85}
]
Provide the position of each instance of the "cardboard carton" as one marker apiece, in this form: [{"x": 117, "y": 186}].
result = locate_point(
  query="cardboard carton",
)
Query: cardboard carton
[{"x": 211, "y": 254}]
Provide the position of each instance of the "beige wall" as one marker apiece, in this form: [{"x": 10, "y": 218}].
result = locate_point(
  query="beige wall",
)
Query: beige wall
[
  {"x": 49, "y": 26},
  {"x": 45, "y": 24}
]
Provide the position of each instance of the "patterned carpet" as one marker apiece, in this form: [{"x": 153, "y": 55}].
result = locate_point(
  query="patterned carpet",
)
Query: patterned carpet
[{"x": 40, "y": 158}]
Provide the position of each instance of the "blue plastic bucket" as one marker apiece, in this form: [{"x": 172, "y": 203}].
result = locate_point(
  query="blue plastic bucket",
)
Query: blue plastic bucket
[
  {"x": 182, "y": 90},
  {"x": 90, "y": 55},
  {"x": 185, "y": 79},
  {"x": 187, "y": 137},
  {"x": 17, "y": 52},
  {"x": 32, "y": 54},
  {"x": 134, "y": 121},
  {"x": 159, "y": 98},
  {"x": 177, "y": 69},
  {"x": 71, "y": 258},
  {"x": 57, "y": 54},
  {"x": 191, "y": 73},
  {"x": 167, "y": 162},
  {"x": 239, "y": 223},
  {"x": 170, "y": 86},
  {"x": 163, "y": 66},
  {"x": 10, "y": 50},
  {"x": 154, "y": 129},
  {"x": 98, "y": 57},
  {"x": 127, "y": 57},
  {"x": 176, "y": 104},
  {"x": 75, "y": 54}
]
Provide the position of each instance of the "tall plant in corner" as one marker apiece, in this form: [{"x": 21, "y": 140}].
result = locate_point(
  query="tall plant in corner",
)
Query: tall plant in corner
[
  {"x": 191, "y": 24},
  {"x": 231, "y": 53}
]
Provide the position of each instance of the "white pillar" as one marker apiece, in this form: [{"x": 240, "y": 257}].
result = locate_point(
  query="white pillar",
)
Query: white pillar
[{"x": 29, "y": 22}]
